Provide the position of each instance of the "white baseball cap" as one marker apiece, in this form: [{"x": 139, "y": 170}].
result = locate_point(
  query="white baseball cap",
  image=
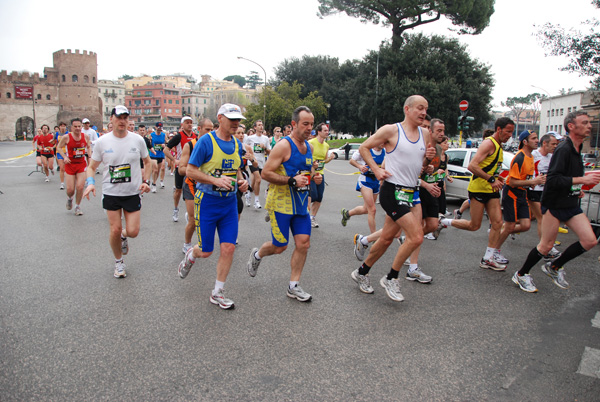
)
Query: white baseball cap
[
  {"x": 184, "y": 118},
  {"x": 555, "y": 134},
  {"x": 119, "y": 110},
  {"x": 86, "y": 120},
  {"x": 231, "y": 111}
]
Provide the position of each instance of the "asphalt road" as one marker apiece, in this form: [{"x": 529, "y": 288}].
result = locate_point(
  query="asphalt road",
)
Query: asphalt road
[{"x": 70, "y": 331}]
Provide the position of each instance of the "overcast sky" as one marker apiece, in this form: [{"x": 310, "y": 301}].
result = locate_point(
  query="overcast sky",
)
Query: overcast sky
[{"x": 205, "y": 37}]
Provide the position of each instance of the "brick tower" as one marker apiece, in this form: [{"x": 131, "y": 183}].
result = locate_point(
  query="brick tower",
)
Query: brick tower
[{"x": 77, "y": 75}]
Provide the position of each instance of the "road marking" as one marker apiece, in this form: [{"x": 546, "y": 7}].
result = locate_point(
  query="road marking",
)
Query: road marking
[
  {"x": 590, "y": 363},
  {"x": 596, "y": 320},
  {"x": 17, "y": 157}
]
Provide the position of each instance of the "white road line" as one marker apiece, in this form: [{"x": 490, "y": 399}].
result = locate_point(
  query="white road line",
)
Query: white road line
[
  {"x": 596, "y": 320},
  {"x": 590, "y": 363}
]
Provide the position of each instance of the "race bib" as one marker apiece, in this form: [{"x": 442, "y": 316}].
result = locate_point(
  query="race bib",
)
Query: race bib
[
  {"x": 404, "y": 195},
  {"x": 320, "y": 164},
  {"x": 78, "y": 152},
  {"x": 158, "y": 147},
  {"x": 575, "y": 190},
  {"x": 120, "y": 173},
  {"x": 257, "y": 149},
  {"x": 230, "y": 173}
]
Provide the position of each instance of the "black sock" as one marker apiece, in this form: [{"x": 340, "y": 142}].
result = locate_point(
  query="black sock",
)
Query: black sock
[
  {"x": 532, "y": 259},
  {"x": 573, "y": 251},
  {"x": 364, "y": 269},
  {"x": 393, "y": 274}
]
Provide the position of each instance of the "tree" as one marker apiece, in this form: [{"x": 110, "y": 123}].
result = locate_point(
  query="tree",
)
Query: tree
[
  {"x": 583, "y": 50},
  {"x": 253, "y": 80},
  {"x": 281, "y": 102},
  {"x": 125, "y": 77},
  {"x": 238, "y": 79},
  {"x": 472, "y": 17},
  {"x": 519, "y": 104}
]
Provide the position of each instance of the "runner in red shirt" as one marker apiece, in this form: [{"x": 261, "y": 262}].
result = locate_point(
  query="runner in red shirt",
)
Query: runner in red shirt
[
  {"x": 77, "y": 145},
  {"x": 36, "y": 148},
  {"x": 46, "y": 145}
]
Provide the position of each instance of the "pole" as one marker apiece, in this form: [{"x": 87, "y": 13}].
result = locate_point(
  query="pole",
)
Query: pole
[
  {"x": 376, "y": 89},
  {"x": 549, "y": 107},
  {"x": 264, "y": 90}
]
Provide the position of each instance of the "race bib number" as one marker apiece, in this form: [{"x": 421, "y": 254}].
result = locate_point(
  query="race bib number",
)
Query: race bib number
[
  {"x": 320, "y": 164},
  {"x": 404, "y": 196},
  {"x": 257, "y": 149},
  {"x": 78, "y": 152},
  {"x": 575, "y": 190},
  {"x": 231, "y": 174},
  {"x": 120, "y": 173},
  {"x": 158, "y": 147}
]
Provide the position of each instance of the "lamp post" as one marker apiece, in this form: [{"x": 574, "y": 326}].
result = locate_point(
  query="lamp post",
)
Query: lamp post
[
  {"x": 549, "y": 107},
  {"x": 264, "y": 88}
]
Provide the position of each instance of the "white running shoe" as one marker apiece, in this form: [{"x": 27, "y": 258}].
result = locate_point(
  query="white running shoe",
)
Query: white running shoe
[
  {"x": 247, "y": 196},
  {"x": 48, "y": 180},
  {"x": 69, "y": 204},
  {"x": 257, "y": 204},
  {"x": 153, "y": 188},
  {"x": 78, "y": 211},
  {"x": 392, "y": 288},
  {"x": 62, "y": 185},
  {"x": 120, "y": 270},
  {"x": 162, "y": 184},
  {"x": 176, "y": 215}
]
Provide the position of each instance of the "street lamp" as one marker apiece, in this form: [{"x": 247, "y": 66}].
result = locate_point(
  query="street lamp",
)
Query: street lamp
[
  {"x": 264, "y": 89},
  {"x": 550, "y": 105}
]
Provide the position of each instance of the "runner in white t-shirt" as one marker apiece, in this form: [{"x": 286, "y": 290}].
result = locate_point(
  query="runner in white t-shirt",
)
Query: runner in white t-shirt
[
  {"x": 92, "y": 135},
  {"x": 261, "y": 146},
  {"x": 120, "y": 152}
]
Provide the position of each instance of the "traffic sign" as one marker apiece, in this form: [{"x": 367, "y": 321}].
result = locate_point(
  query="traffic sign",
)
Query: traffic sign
[{"x": 463, "y": 105}]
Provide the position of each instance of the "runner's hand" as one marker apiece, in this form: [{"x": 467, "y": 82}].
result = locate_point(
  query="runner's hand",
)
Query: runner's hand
[
  {"x": 223, "y": 182},
  {"x": 144, "y": 188},
  {"x": 89, "y": 189},
  {"x": 381, "y": 174},
  {"x": 318, "y": 178},
  {"x": 242, "y": 185}
]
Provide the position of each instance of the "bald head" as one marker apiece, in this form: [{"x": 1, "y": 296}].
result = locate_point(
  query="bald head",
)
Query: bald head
[{"x": 413, "y": 99}]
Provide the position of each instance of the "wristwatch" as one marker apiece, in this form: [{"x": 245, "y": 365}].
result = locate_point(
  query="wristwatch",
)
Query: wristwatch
[
  {"x": 491, "y": 180},
  {"x": 292, "y": 182},
  {"x": 146, "y": 182}
]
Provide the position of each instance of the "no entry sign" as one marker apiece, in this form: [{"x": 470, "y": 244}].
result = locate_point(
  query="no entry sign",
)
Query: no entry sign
[{"x": 463, "y": 105}]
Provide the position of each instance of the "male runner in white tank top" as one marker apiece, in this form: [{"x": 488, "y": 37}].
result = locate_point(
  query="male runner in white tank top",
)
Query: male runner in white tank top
[{"x": 406, "y": 156}]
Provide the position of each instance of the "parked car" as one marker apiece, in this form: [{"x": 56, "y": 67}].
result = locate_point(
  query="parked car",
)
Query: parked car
[
  {"x": 341, "y": 153},
  {"x": 458, "y": 161},
  {"x": 589, "y": 158}
]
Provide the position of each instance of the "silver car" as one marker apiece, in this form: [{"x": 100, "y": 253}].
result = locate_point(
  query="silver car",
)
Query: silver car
[{"x": 458, "y": 162}]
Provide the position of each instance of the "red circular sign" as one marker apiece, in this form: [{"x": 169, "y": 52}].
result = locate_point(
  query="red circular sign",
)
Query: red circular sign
[{"x": 463, "y": 105}]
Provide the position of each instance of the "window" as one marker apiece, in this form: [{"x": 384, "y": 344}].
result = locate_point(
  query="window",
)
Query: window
[
  {"x": 170, "y": 101},
  {"x": 176, "y": 110},
  {"x": 8, "y": 95},
  {"x": 139, "y": 93},
  {"x": 165, "y": 101},
  {"x": 560, "y": 129},
  {"x": 93, "y": 80},
  {"x": 138, "y": 102},
  {"x": 158, "y": 102},
  {"x": 129, "y": 103},
  {"x": 148, "y": 93},
  {"x": 574, "y": 108},
  {"x": 170, "y": 110},
  {"x": 74, "y": 78},
  {"x": 562, "y": 111},
  {"x": 86, "y": 79},
  {"x": 64, "y": 78},
  {"x": 48, "y": 97},
  {"x": 547, "y": 129},
  {"x": 569, "y": 110},
  {"x": 177, "y": 102},
  {"x": 39, "y": 96},
  {"x": 457, "y": 158},
  {"x": 553, "y": 112},
  {"x": 548, "y": 110}
]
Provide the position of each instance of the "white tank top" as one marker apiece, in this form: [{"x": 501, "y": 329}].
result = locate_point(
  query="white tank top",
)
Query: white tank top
[{"x": 405, "y": 161}]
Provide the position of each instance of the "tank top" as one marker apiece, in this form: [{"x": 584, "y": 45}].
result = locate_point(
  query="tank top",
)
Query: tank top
[
  {"x": 221, "y": 164},
  {"x": 45, "y": 143},
  {"x": 378, "y": 159},
  {"x": 319, "y": 153},
  {"x": 491, "y": 165},
  {"x": 286, "y": 199},
  {"x": 76, "y": 149},
  {"x": 158, "y": 144},
  {"x": 405, "y": 161}
]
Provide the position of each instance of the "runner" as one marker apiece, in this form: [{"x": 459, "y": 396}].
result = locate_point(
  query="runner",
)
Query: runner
[
  {"x": 36, "y": 148},
  {"x": 214, "y": 165},
  {"x": 560, "y": 203},
  {"x": 176, "y": 144},
  {"x": 484, "y": 191},
  {"x": 46, "y": 143},
  {"x": 77, "y": 145},
  {"x": 122, "y": 182},
  {"x": 158, "y": 143},
  {"x": 62, "y": 130},
  {"x": 289, "y": 171},
  {"x": 321, "y": 156},
  {"x": 369, "y": 187},
  {"x": 408, "y": 150},
  {"x": 261, "y": 146},
  {"x": 91, "y": 134}
]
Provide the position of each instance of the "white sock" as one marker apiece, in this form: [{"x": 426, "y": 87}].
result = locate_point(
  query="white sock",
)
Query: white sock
[
  {"x": 256, "y": 198},
  {"x": 489, "y": 253},
  {"x": 187, "y": 244},
  {"x": 257, "y": 256},
  {"x": 447, "y": 222},
  {"x": 364, "y": 241},
  {"x": 76, "y": 205},
  {"x": 413, "y": 267},
  {"x": 293, "y": 284},
  {"x": 69, "y": 198},
  {"x": 218, "y": 286}
]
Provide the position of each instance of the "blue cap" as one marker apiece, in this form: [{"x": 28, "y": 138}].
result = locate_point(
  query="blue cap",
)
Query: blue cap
[{"x": 523, "y": 136}]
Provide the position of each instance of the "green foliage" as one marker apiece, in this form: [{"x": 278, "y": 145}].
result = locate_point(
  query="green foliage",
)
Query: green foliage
[
  {"x": 281, "y": 102},
  {"x": 238, "y": 79},
  {"x": 126, "y": 77},
  {"x": 253, "y": 80},
  {"x": 470, "y": 16},
  {"x": 582, "y": 49}
]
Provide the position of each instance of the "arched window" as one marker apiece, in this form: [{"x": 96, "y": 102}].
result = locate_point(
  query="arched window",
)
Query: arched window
[
  {"x": 93, "y": 80},
  {"x": 8, "y": 95},
  {"x": 74, "y": 78},
  {"x": 39, "y": 96},
  {"x": 86, "y": 79},
  {"x": 48, "y": 97},
  {"x": 64, "y": 78}
]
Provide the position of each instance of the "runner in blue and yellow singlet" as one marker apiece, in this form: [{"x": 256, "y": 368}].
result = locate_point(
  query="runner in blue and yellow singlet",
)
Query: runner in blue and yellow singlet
[
  {"x": 214, "y": 165},
  {"x": 290, "y": 170}
]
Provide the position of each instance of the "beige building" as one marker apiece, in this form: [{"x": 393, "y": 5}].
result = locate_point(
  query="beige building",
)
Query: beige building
[
  {"x": 137, "y": 82},
  {"x": 112, "y": 93}
]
